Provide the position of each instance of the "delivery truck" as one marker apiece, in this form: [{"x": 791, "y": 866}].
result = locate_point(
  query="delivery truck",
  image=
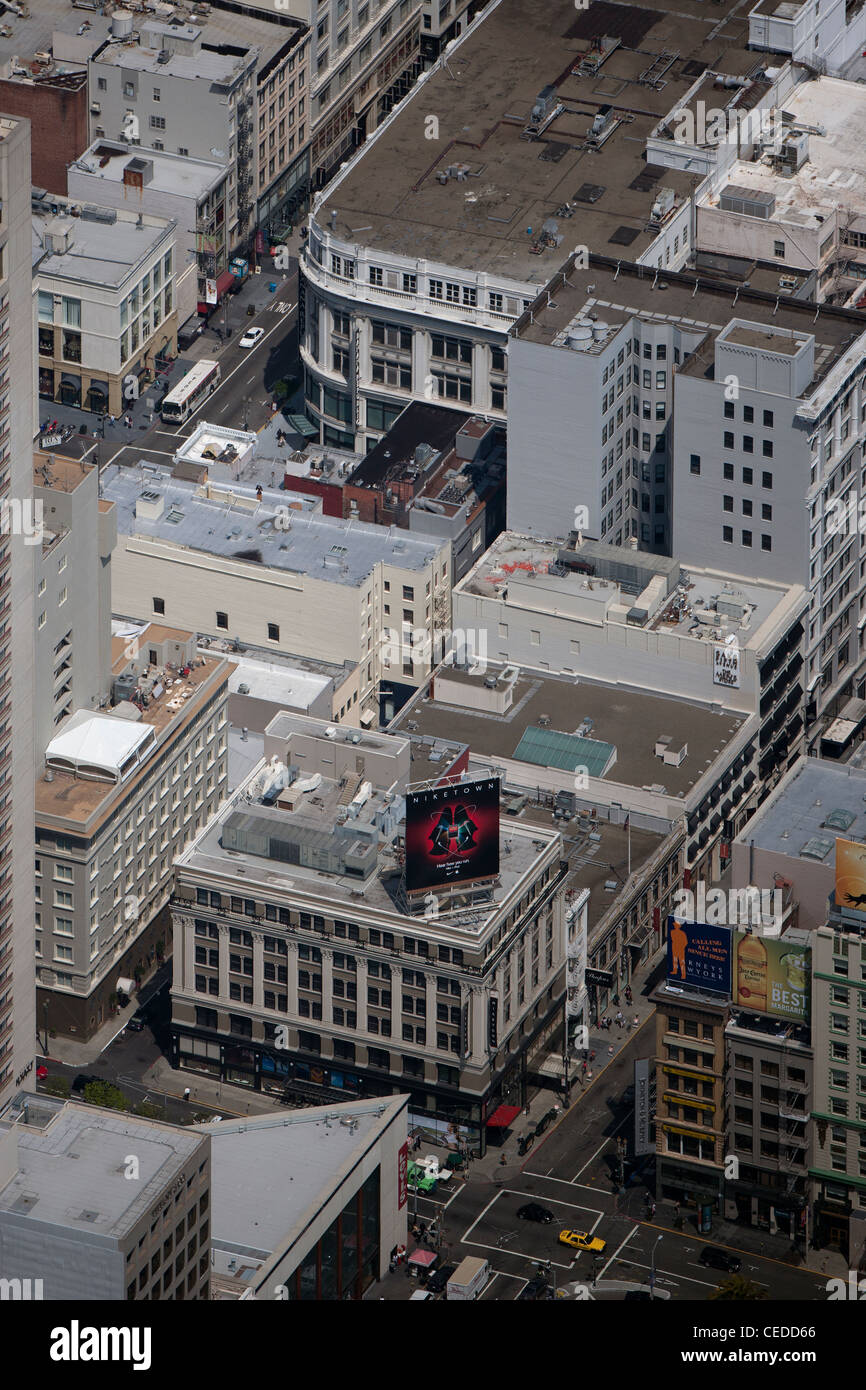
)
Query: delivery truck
[{"x": 469, "y": 1279}]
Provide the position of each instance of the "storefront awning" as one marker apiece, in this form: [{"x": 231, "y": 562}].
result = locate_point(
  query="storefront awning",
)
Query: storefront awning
[
  {"x": 299, "y": 424},
  {"x": 225, "y": 280},
  {"x": 503, "y": 1116}
]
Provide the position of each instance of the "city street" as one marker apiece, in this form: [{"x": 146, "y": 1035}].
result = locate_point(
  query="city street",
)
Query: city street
[
  {"x": 243, "y": 399},
  {"x": 572, "y": 1171}
]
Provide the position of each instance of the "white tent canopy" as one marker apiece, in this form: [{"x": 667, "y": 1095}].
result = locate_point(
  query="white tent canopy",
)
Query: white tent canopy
[{"x": 100, "y": 745}]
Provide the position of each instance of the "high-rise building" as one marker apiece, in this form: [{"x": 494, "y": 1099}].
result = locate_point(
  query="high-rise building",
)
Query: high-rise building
[{"x": 19, "y": 537}]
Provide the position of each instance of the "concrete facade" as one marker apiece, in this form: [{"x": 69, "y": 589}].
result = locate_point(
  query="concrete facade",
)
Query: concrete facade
[
  {"x": 105, "y": 301},
  {"x": 17, "y": 582},
  {"x": 73, "y": 593},
  {"x": 103, "y": 1206},
  {"x": 106, "y": 842}
]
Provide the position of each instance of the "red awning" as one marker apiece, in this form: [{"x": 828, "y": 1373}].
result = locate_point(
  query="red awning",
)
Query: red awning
[
  {"x": 224, "y": 282},
  {"x": 424, "y": 1258},
  {"x": 503, "y": 1116}
]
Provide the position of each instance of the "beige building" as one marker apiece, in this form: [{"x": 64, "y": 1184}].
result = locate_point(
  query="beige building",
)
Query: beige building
[
  {"x": 302, "y": 968},
  {"x": 106, "y": 301},
  {"x": 17, "y": 563},
  {"x": 223, "y": 562},
  {"x": 121, "y": 792}
]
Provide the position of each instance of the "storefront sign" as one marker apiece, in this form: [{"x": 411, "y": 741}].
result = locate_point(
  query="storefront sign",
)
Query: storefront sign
[{"x": 642, "y": 1142}]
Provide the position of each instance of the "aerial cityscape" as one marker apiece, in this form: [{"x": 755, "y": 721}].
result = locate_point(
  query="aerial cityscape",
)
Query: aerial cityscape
[{"x": 433, "y": 661}]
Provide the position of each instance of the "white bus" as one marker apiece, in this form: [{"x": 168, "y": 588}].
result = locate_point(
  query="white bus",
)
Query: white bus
[{"x": 199, "y": 383}]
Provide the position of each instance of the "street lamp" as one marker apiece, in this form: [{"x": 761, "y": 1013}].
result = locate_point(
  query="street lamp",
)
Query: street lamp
[{"x": 659, "y": 1240}]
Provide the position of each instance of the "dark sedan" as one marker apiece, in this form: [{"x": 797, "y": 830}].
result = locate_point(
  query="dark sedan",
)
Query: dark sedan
[{"x": 533, "y": 1211}]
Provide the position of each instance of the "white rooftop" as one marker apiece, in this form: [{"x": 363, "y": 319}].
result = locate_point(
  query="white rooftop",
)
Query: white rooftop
[
  {"x": 297, "y": 1161},
  {"x": 834, "y": 174},
  {"x": 180, "y": 175},
  {"x": 106, "y": 743},
  {"x": 273, "y": 681}
]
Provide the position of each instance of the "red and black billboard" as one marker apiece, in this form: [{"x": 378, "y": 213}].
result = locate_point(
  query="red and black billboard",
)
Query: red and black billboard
[{"x": 452, "y": 834}]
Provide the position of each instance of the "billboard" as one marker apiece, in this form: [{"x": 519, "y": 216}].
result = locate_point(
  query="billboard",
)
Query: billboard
[
  {"x": 699, "y": 955},
  {"x": 851, "y": 875},
  {"x": 726, "y": 666},
  {"x": 452, "y": 834},
  {"x": 773, "y": 976}
]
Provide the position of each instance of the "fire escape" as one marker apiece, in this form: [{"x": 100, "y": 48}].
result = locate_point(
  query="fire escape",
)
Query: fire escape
[{"x": 245, "y": 164}]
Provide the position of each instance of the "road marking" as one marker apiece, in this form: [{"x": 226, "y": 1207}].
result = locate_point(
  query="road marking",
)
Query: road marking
[
  {"x": 599, "y": 1149},
  {"x": 575, "y": 1206},
  {"x": 226, "y": 379},
  {"x": 674, "y": 1277},
  {"x": 543, "y": 1177},
  {"x": 607, "y": 1266},
  {"x": 482, "y": 1214},
  {"x": 454, "y": 1194},
  {"x": 518, "y": 1254},
  {"x": 252, "y": 378}
]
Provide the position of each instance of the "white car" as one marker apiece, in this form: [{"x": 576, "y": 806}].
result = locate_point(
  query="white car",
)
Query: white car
[{"x": 251, "y": 337}]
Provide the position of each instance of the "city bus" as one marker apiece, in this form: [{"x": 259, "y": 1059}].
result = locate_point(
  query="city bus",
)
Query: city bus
[{"x": 199, "y": 383}]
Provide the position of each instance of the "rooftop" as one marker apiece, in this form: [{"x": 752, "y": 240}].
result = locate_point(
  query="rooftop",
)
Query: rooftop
[
  {"x": 53, "y": 26},
  {"x": 105, "y": 246},
  {"x": 617, "y": 292},
  {"x": 59, "y": 473},
  {"x": 318, "y": 1147},
  {"x": 834, "y": 176},
  {"x": 599, "y": 192},
  {"x": 234, "y": 523},
  {"x": 629, "y": 720},
  {"x": 169, "y": 173},
  {"x": 72, "y": 1161},
  {"x": 701, "y": 604},
  {"x": 68, "y": 796},
  {"x": 348, "y": 834},
  {"x": 816, "y": 801}
]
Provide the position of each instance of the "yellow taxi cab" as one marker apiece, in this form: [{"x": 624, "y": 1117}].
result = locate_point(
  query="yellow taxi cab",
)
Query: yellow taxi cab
[{"x": 582, "y": 1240}]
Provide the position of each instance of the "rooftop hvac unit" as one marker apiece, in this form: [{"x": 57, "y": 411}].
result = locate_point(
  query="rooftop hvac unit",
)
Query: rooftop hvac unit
[
  {"x": 663, "y": 205},
  {"x": 748, "y": 202}
]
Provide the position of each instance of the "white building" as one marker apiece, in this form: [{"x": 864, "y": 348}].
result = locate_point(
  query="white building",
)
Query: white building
[{"x": 191, "y": 192}]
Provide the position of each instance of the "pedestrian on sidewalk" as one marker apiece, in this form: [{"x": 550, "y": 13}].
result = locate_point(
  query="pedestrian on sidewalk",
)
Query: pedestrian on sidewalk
[
  {"x": 636, "y": 1021},
  {"x": 619, "y": 1018}
]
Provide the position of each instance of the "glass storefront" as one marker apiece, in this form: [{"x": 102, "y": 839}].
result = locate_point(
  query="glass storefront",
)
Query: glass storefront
[{"x": 344, "y": 1262}]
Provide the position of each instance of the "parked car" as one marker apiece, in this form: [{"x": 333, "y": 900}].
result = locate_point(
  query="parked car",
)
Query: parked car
[
  {"x": 82, "y": 1080},
  {"x": 534, "y": 1211},
  {"x": 545, "y": 1121},
  {"x": 714, "y": 1258},
  {"x": 251, "y": 337},
  {"x": 582, "y": 1240},
  {"x": 436, "y": 1281},
  {"x": 136, "y": 1023},
  {"x": 525, "y": 1142},
  {"x": 537, "y": 1290}
]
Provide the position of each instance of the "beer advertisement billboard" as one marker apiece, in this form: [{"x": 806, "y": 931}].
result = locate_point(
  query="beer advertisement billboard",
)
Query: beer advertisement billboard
[
  {"x": 772, "y": 976},
  {"x": 452, "y": 834}
]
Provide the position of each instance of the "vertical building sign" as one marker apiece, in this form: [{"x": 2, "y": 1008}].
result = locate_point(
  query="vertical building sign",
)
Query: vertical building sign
[
  {"x": 642, "y": 1110},
  {"x": 464, "y": 1029},
  {"x": 493, "y": 1021},
  {"x": 402, "y": 1175}
]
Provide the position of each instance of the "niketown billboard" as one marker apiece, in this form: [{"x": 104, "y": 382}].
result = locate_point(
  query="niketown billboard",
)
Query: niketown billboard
[{"x": 452, "y": 834}]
